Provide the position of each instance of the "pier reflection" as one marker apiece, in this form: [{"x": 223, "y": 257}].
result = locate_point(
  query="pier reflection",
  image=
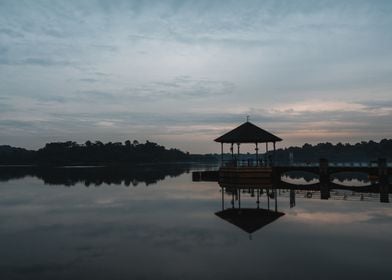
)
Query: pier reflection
[{"x": 253, "y": 219}]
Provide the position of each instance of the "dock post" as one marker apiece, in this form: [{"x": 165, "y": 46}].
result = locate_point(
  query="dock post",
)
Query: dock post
[
  {"x": 196, "y": 176},
  {"x": 383, "y": 180},
  {"x": 292, "y": 198},
  {"x": 276, "y": 176},
  {"x": 239, "y": 198},
  {"x": 268, "y": 199},
  {"x": 324, "y": 179},
  {"x": 223, "y": 198},
  {"x": 276, "y": 201}
]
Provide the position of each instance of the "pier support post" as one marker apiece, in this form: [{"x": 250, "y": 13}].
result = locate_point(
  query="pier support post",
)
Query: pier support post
[
  {"x": 383, "y": 180},
  {"x": 324, "y": 179},
  {"x": 239, "y": 198},
  {"x": 268, "y": 199},
  {"x": 292, "y": 198},
  {"x": 276, "y": 177},
  {"x": 276, "y": 201},
  {"x": 223, "y": 198}
]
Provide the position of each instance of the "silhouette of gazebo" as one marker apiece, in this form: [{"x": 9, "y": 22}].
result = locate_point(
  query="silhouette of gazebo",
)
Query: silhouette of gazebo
[
  {"x": 247, "y": 133},
  {"x": 248, "y": 219}
]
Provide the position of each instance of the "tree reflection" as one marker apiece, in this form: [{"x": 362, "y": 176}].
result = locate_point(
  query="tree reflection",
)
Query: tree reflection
[{"x": 96, "y": 176}]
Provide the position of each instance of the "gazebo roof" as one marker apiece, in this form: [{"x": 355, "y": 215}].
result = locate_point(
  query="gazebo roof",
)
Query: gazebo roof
[
  {"x": 247, "y": 133},
  {"x": 249, "y": 220}
]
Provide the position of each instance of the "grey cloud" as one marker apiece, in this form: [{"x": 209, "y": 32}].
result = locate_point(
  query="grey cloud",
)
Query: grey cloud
[
  {"x": 92, "y": 95},
  {"x": 164, "y": 123},
  {"x": 183, "y": 87},
  {"x": 109, "y": 48},
  {"x": 5, "y": 107},
  {"x": 89, "y": 80},
  {"x": 3, "y": 50},
  {"x": 100, "y": 61},
  {"x": 40, "y": 61},
  {"x": 50, "y": 98},
  {"x": 377, "y": 104},
  {"x": 101, "y": 74},
  {"x": 44, "y": 61},
  {"x": 15, "y": 124},
  {"x": 11, "y": 33}
]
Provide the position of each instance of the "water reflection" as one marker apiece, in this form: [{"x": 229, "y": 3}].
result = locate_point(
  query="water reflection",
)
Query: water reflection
[
  {"x": 248, "y": 219},
  {"x": 69, "y": 176},
  {"x": 171, "y": 231},
  {"x": 343, "y": 178},
  {"x": 302, "y": 184}
]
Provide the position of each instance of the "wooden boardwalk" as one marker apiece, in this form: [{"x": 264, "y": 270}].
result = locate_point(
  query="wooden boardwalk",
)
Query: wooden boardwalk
[{"x": 271, "y": 177}]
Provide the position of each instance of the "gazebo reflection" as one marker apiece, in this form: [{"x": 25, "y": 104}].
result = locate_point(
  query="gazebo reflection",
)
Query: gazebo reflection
[{"x": 249, "y": 220}]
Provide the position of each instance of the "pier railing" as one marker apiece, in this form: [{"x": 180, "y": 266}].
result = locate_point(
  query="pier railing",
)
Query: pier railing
[
  {"x": 263, "y": 163},
  {"x": 242, "y": 163}
]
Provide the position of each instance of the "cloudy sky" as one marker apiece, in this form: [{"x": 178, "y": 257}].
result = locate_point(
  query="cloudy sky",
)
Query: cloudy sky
[{"x": 183, "y": 72}]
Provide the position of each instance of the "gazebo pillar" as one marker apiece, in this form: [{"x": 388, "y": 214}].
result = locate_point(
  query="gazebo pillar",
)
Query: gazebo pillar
[
  {"x": 274, "y": 157},
  {"x": 232, "y": 152},
  {"x": 222, "y": 153},
  {"x": 238, "y": 154},
  {"x": 257, "y": 155},
  {"x": 266, "y": 154}
]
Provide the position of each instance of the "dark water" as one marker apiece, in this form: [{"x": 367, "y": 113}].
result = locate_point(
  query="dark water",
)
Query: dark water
[{"x": 154, "y": 223}]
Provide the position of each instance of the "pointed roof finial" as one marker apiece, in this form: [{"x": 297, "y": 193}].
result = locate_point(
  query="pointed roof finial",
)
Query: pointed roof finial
[{"x": 247, "y": 118}]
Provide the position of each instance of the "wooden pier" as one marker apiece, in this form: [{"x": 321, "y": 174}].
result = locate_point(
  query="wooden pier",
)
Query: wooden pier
[
  {"x": 271, "y": 177},
  {"x": 265, "y": 173}
]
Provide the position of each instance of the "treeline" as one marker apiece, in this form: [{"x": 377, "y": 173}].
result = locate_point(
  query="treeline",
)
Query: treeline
[
  {"x": 96, "y": 153},
  {"x": 359, "y": 152}
]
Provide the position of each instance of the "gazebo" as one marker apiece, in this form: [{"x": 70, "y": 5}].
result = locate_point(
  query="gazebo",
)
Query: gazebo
[{"x": 247, "y": 133}]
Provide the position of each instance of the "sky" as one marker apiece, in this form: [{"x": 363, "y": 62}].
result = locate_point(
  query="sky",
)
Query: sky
[{"x": 181, "y": 73}]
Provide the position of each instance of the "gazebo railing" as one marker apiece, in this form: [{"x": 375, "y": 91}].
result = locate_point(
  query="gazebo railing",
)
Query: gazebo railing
[{"x": 244, "y": 163}]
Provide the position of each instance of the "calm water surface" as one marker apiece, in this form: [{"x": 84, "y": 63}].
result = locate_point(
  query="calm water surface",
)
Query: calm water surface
[{"x": 106, "y": 226}]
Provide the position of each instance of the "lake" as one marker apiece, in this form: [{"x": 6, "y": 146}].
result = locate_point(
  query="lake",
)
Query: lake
[{"x": 155, "y": 223}]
